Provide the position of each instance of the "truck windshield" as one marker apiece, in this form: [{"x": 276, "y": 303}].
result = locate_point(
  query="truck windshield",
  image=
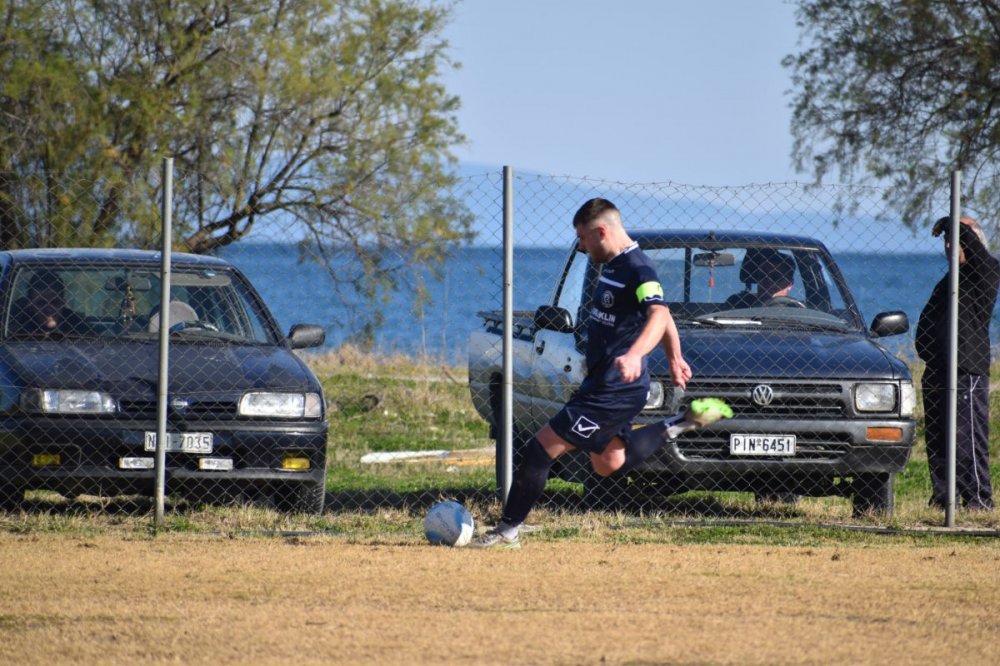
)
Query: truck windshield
[{"x": 754, "y": 283}]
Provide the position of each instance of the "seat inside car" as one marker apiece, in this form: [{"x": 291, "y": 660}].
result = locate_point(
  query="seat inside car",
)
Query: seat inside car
[{"x": 179, "y": 312}]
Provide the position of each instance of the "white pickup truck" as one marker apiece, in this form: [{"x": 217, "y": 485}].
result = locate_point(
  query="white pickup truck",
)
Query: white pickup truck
[{"x": 821, "y": 408}]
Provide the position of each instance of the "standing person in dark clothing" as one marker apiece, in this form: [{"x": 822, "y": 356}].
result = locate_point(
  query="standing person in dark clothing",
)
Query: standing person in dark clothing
[{"x": 978, "y": 280}]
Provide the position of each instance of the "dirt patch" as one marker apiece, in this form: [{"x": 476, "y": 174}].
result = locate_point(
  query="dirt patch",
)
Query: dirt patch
[{"x": 322, "y": 600}]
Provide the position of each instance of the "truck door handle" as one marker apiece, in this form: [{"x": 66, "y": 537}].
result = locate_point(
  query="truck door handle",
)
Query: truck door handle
[{"x": 540, "y": 347}]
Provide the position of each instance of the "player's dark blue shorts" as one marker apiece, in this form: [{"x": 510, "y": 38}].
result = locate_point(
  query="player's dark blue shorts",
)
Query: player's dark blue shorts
[{"x": 592, "y": 418}]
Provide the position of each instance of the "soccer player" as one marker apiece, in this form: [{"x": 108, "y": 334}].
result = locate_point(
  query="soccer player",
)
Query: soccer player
[{"x": 628, "y": 319}]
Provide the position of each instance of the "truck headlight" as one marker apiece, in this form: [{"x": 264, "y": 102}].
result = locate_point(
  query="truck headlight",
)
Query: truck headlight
[
  {"x": 908, "y": 399},
  {"x": 68, "y": 401},
  {"x": 281, "y": 405},
  {"x": 655, "y": 398},
  {"x": 875, "y": 397}
]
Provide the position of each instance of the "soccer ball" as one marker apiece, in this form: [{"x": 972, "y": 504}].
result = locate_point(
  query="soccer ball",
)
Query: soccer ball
[{"x": 449, "y": 523}]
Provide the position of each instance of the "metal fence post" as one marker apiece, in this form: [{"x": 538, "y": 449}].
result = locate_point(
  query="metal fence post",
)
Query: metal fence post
[
  {"x": 952, "y": 411},
  {"x": 161, "y": 390},
  {"x": 506, "y": 428}
]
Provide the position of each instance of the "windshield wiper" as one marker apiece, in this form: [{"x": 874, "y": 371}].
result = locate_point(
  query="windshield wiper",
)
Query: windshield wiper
[
  {"x": 811, "y": 325},
  {"x": 723, "y": 320}
]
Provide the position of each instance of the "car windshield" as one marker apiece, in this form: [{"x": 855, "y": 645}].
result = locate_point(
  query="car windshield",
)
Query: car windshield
[
  {"x": 755, "y": 286},
  {"x": 124, "y": 302}
]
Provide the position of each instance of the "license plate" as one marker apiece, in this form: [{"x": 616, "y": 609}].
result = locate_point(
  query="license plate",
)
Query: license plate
[
  {"x": 183, "y": 442},
  {"x": 761, "y": 445}
]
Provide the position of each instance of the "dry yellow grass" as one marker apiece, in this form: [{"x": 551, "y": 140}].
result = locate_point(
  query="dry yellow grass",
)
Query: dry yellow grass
[{"x": 198, "y": 599}]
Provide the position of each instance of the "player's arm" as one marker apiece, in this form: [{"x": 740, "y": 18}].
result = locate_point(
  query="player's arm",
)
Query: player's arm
[
  {"x": 680, "y": 371},
  {"x": 629, "y": 364}
]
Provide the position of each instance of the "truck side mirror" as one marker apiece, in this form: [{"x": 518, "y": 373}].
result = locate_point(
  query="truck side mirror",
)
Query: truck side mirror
[
  {"x": 553, "y": 318},
  {"x": 889, "y": 323}
]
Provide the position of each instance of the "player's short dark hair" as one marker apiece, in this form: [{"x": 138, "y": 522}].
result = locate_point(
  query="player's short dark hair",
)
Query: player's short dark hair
[{"x": 591, "y": 210}]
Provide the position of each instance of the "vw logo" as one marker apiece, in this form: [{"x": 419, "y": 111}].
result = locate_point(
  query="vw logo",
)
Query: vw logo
[{"x": 762, "y": 395}]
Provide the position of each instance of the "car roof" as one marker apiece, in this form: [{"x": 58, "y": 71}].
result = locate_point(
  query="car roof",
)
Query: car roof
[
  {"x": 111, "y": 257},
  {"x": 718, "y": 240}
]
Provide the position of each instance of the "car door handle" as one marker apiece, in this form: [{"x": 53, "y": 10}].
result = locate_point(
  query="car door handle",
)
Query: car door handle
[{"x": 540, "y": 347}]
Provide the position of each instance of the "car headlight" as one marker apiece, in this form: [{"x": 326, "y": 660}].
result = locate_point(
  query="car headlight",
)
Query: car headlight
[
  {"x": 68, "y": 401},
  {"x": 281, "y": 405},
  {"x": 908, "y": 399},
  {"x": 875, "y": 397},
  {"x": 655, "y": 398}
]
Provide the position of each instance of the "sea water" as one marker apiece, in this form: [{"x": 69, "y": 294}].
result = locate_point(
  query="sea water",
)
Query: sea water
[{"x": 471, "y": 280}]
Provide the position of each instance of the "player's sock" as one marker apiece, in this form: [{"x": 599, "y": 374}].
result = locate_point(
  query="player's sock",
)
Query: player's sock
[
  {"x": 529, "y": 482},
  {"x": 642, "y": 443}
]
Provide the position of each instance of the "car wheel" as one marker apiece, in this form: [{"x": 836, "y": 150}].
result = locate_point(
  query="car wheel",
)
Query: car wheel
[
  {"x": 873, "y": 494},
  {"x": 303, "y": 497},
  {"x": 11, "y": 496}
]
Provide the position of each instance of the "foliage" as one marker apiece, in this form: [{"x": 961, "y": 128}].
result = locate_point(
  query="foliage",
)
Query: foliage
[
  {"x": 904, "y": 92},
  {"x": 317, "y": 120}
]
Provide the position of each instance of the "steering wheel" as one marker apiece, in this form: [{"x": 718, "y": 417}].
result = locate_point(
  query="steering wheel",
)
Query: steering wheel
[{"x": 785, "y": 301}]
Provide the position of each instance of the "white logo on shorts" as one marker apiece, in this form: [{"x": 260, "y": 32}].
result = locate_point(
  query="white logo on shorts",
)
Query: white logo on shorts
[{"x": 584, "y": 427}]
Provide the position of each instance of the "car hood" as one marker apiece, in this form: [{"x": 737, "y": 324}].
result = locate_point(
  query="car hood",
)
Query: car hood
[
  {"x": 763, "y": 353},
  {"x": 132, "y": 368}
]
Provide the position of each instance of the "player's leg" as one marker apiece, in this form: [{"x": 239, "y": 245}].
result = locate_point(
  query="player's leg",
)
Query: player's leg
[
  {"x": 632, "y": 447},
  {"x": 526, "y": 488}
]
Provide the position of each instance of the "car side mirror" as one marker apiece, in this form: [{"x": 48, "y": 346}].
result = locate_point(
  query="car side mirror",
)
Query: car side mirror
[
  {"x": 553, "y": 318},
  {"x": 889, "y": 323},
  {"x": 306, "y": 335}
]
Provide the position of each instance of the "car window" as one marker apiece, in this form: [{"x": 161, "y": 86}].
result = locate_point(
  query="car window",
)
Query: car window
[{"x": 125, "y": 302}]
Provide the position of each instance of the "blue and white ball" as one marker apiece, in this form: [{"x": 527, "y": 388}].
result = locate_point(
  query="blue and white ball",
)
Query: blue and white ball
[{"x": 449, "y": 523}]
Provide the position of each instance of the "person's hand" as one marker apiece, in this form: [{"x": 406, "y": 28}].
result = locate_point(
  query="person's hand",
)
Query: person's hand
[
  {"x": 680, "y": 373},
  {"x": 944, "y": 222},
  {"x": 629, "y": 367}
]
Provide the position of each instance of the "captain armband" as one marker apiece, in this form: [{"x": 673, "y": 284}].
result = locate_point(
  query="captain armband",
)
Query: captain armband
[{"x": 649, "y": 292}]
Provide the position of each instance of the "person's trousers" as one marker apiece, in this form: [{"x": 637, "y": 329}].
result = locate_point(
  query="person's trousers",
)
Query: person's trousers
[{"x": 972, "y": 434}]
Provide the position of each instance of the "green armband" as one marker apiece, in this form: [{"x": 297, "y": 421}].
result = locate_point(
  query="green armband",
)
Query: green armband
[{"x": 648, "y": 290}]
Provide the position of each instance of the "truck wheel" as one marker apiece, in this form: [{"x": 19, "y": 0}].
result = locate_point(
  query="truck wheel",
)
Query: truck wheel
[{"x": 873, "y": 494}]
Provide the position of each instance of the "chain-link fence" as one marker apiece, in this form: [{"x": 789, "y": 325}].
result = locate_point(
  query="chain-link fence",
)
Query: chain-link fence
[
  {"x": 823, "y": 377},
  {"x": 399, "y": 405}
]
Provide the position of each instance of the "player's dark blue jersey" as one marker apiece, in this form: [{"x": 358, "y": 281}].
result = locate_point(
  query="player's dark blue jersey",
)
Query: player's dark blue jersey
[{"x": 627, "y": 286}]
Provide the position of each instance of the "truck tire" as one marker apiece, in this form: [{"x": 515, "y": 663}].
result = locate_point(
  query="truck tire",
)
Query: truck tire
[{"x": 873, "y": 494}]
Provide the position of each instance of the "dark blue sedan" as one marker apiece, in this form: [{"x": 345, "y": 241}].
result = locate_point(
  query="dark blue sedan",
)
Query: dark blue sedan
[{"x": 79, "y": 368}]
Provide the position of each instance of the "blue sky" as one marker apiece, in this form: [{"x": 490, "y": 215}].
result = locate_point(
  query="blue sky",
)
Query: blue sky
[{"x": 689, "y": 91}]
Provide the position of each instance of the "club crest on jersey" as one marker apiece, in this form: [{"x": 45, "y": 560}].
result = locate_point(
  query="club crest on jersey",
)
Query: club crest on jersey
[
  {"x": 607, "y": 299},
  {"x": 584, "y": 427}
]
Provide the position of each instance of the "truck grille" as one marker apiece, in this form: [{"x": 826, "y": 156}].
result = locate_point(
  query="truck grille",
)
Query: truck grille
[{"x": 792, "y": 400}]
